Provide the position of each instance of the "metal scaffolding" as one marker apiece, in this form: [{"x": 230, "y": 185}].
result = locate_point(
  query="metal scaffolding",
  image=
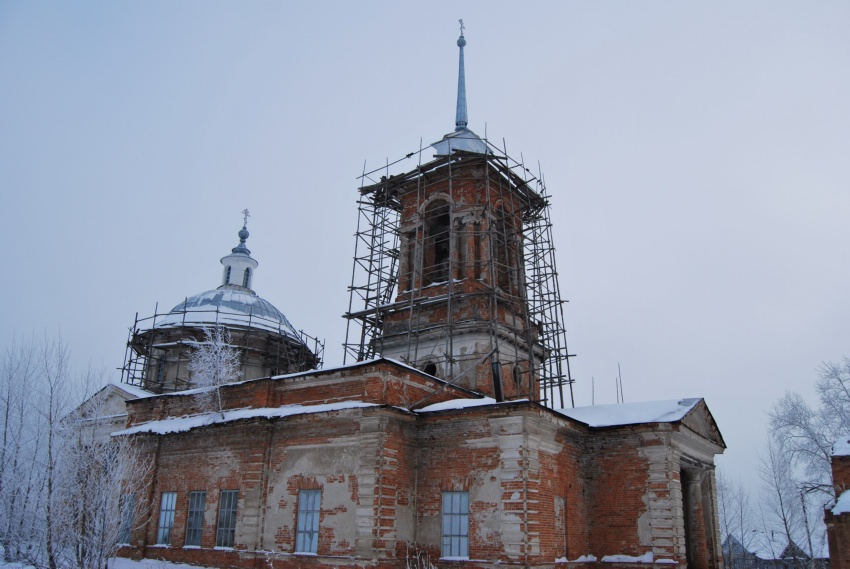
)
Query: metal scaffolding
[
  {"x": 264, "y": 344},
  {"x": 484, "y": 262}
]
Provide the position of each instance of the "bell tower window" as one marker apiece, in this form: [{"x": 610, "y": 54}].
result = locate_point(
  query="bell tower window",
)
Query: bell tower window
[
  {"x": 437, "y": 243},
  {"x": 504, "y": 256}
]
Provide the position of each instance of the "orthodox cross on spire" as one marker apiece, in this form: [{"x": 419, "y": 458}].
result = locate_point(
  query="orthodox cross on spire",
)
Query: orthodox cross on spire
[{"x": 461, "y": 119}]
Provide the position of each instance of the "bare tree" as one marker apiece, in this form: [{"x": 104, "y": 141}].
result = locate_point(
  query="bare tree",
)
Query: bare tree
[
  {"x": 104, "y": 475},
  {"x": 20, "y": 453},
  {"x": 213, "y": 363},
  {"x": 736, "y": 521},
  {"x": 61, "y": 480},
  {"x": 807, "y": 433},
  {"x": 781, "y": 510}
]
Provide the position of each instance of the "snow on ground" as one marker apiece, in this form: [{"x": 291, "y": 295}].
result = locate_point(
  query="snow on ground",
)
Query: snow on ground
[{"x": 121, "y": 563}]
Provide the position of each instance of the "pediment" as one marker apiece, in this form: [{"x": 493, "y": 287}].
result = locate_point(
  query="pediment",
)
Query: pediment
[{"x": 700, "y": 420}]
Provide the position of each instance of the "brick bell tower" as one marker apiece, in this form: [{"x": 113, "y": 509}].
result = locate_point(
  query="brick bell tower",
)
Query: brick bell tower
[{"x": 455, "y": 271}]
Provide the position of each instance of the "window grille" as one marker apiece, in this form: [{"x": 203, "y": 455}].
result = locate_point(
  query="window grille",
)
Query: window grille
[
  {"x": 195, "y": 518},
  {"x": 455, "y": 524},
  {"x": 226, "y": 532},
  {"x": 309, "y": 504},
  {"x": 128, "y": 513},
  {"x": 167, "y": 506}
]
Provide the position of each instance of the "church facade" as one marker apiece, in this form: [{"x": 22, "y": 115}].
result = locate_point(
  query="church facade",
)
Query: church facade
[
  {"x": 369, "y": 464},
  {"x": 450, "y": 439}
]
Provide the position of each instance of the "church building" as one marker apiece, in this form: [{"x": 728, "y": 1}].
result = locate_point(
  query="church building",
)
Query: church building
[{"x": 449, "y": 436}]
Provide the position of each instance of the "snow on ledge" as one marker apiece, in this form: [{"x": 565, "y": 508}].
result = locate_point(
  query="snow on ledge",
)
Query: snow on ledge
[
  {"x": 842, "y": 505},
  {"x": 841, "y": 447},
  {"x": 464, "y": 404},
  {"x": 183, "y": 424},
  {"x": 647, "y": 557},
  {"x": 581, "y": 559},
  {"x": 133, "y": 390},
  {"x": 668, "y": 411}
]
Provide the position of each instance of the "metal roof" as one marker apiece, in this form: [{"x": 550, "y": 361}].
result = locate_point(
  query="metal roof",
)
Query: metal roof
[{"x": 229, "y": 306}]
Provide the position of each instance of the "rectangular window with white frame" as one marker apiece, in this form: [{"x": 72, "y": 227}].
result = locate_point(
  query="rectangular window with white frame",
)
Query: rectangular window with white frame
[
  {"x": 195, "y": 518},
  {"x": 226, "y": 531},
  {"x": 309, "y": 509},
  {"x": 167, "y": 505},
  {"x": 455, "y": 512},
  {"x": 127, "y": 506}
]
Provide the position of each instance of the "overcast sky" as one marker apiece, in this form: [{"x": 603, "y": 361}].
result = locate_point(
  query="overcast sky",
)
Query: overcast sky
[{"x": 696, "y": 152}]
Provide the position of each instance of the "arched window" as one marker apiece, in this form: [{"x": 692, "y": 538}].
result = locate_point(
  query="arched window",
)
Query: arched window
[
  {"x": 437, "y": 243},
  {"x": 502, "y": 242},
  {"x": 227, "y": 274},
  {"x": 430, "y": 368},
  {"x": 246, "y": 278}
]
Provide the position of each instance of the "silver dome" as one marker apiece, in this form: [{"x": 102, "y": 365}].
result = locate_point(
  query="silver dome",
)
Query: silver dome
[{"x": 228, "y": 306}]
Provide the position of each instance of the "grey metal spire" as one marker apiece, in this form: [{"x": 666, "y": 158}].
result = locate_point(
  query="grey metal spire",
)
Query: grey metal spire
[
  {"x": 461, "y": 119},
  {"x": 461, "y": 138}
]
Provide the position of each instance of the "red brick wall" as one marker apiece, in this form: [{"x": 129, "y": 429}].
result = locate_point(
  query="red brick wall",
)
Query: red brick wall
[
  {"x": 617, "y": 478},
  {"x": 841, "y": 473},
  {"x": 541, "y": 487},
  {"x": 838, "y": 534},
  {"x": 838, "y": 527},
  {"x": 380, "y": 382}
]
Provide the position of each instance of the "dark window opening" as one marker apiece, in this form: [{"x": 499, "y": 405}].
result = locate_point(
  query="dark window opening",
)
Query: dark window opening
[
  {"x": 430, "y": 368},
  {"x": 227, "y": 274},
  {"x": 246, "y": 278},
  {"x": 503, "y": 256},
  {"x": 437, "y": 243}
]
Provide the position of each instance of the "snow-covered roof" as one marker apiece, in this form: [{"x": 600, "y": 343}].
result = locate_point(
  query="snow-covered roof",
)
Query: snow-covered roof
[
  {"x": 183, "y": 424},
  {"x": 842, "y": 505},
  {"x": 841, "y": 447},
  {"x": 668, "y": 411},
  {"x": 228, "y": 305},
  {"x": 136, "y": 392},
  {"x": 458, "y": 404},
  {"x": 596, "y": 415}
]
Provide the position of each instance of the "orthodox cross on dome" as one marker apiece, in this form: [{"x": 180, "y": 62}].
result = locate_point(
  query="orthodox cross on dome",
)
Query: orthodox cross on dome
[
  {"x": 461, "y": 119},
  {"x": 245, "y": 216}
]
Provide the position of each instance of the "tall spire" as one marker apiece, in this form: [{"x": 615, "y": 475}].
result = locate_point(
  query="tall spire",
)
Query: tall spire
[
  {"x": 461, "y": 119},
  {"x": 461, "y": 138}
]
